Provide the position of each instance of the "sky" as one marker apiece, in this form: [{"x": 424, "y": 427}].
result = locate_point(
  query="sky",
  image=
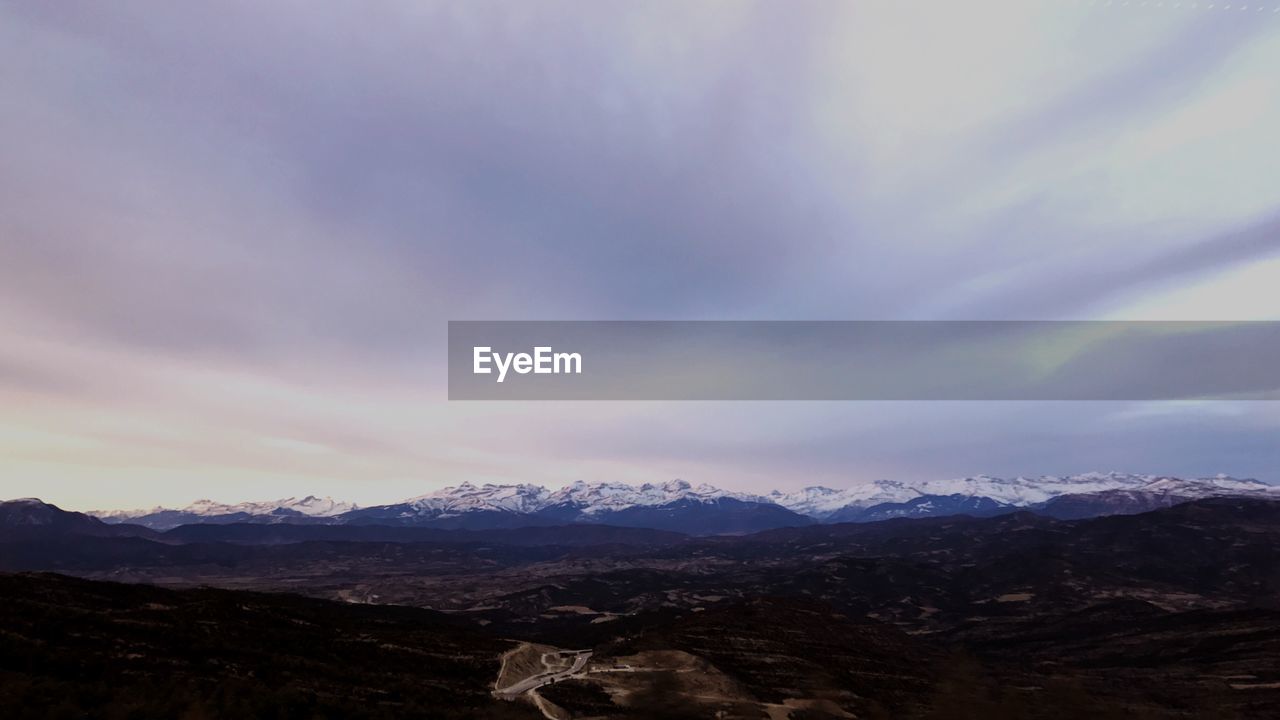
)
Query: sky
[{"x": 231, "y": 235}]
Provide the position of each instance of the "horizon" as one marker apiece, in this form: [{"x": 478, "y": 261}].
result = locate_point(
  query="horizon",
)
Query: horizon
[{"x": 781, "y": 490}]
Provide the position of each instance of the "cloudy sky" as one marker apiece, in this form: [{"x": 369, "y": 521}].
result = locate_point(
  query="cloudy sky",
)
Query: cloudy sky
[{"x": 231, "y": 234}]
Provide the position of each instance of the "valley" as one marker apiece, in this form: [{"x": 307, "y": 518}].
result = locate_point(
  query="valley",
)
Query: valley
[{"x": 1170, "y": 613}]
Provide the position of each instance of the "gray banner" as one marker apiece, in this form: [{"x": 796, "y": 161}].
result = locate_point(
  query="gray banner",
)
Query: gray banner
[{"x": 863, "y": 360}]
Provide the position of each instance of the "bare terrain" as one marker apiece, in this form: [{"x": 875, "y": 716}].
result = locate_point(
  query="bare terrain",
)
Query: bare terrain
[{"x": 1168, "y": 614}]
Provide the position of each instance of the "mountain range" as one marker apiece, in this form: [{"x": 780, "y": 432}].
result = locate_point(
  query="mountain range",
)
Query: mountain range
[{"x": 706, "y": 510}]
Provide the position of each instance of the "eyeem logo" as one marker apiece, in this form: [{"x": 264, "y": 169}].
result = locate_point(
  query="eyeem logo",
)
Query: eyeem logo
[{"x": 542, "y": 362}]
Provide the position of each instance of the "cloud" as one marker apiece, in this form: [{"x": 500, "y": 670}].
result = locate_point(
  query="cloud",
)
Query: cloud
[{"x": 219, "y": 225}]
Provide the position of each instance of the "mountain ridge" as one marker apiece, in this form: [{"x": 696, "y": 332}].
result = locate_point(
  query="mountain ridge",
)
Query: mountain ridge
[{"x": 489, "y": 505}]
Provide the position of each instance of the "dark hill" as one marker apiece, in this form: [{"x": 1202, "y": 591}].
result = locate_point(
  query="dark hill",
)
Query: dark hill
[
  {"x": 74, "y": 648},
  {"x": 30, "y": 518}
]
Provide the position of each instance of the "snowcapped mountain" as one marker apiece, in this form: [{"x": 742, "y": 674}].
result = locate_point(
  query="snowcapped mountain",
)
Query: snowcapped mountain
[
  {"x": 588, "y": 498},
  {"x": 310, "y": 505},
  {"x": 820, "y": 502},
  {"x": 579, "y": 502},
  {"x": 922, "y": 506},
  {"x": 597, "y": 498},
  {"x": 824, "y": 503},
  {"x": 1158, "y": 493},
  {"x": 698, "y": 509},
  {"x": 466, "y": 497},
  {"x": 159, "y": 518}
]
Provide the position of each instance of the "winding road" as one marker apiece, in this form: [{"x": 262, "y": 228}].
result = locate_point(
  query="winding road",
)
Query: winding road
[{"x": 534, "y": 682}]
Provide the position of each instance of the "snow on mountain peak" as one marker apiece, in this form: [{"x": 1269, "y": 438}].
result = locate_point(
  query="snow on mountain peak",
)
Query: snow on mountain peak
[
  {"x": 588, "y": 497},
  {"x": 1019, "y": 491},
  {"x": 467, "y": 497},
  {"x": 310, "y": 505},
  {"x": 597, "y": 498},
  {"x": 606, "y": 496}
]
